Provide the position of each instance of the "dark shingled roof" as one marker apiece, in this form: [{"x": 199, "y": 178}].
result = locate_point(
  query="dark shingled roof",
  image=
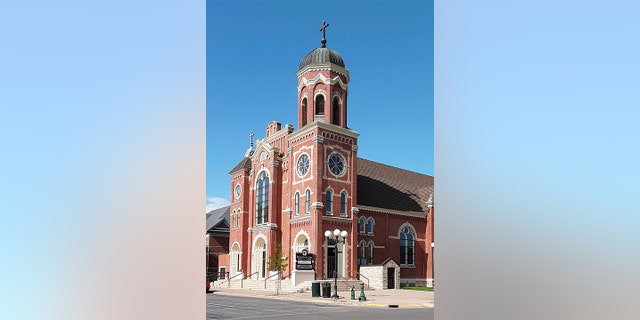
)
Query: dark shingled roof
[
  {"x": 244, "y": 164},
  {"x": 215, "y": 217},
  {"x": 383, "y": 186}
]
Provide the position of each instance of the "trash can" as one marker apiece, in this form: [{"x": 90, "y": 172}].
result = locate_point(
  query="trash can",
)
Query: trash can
[
  {"x": 326, "y": 290},
  {"x": 315, "y": 289}
]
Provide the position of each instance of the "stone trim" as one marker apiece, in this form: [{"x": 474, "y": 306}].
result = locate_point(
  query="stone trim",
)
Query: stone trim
[
  {"x": 323, "y": 67},
  {"x": 337, "y": 218},
  {"x": 323, "y": 125},
  {"x": 416, "y": 214},
  {"x": 304, "y": 82}
]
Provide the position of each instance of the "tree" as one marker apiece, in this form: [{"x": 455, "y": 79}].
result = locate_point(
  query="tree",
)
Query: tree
[{"x": 277, "y": 260}]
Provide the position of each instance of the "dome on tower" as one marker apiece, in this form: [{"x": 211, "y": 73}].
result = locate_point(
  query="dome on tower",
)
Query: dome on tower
[{"x": 322, "y": 56}]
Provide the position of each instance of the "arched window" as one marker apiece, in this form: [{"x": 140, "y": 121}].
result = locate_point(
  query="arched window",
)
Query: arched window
[
  {"x": 262, "y": 198},
  {"x": 361, "y": 225},
  {"x": 319, "y": 104},
  {"x": 343, "y": 203},
  {"x": 370, "y": 252},
  {"x": 302, "y": 242},
  {"x": 335, "y": 111},
  {"x": 304, "y": 111},
  {"x": 329, "y": 196},
  {"x": 407, "y": 246},
  {"x": 297, "y": 203},
  {"x": 234, "y": 219},
  {"x": 307, "y": 202},
  {"x": 370, "y": 226}
]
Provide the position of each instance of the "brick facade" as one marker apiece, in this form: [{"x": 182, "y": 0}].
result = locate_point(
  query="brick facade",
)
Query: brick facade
[{"x": 296, "y": 184}]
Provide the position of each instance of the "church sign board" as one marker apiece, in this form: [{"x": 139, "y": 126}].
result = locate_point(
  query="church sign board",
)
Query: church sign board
[{"x": 304, "y": 260}]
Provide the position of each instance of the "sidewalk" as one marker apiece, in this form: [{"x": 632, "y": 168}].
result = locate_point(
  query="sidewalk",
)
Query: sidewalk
[{"x": 375, "y": 298}]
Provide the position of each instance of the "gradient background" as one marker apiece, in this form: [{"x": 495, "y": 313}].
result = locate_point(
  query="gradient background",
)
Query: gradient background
[
  {"x": 102, "y": 174},
  {"x": 102, "y": 189}
]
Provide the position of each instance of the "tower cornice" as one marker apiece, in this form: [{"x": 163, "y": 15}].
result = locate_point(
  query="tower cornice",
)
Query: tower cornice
[
  {"x": 324, "y": 67},
  {"x": 320, "y": 77},
  {"x": 318, "y": 124}
]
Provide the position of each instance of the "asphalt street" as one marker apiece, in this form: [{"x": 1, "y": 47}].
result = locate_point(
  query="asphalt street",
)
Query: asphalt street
[{"x": 237, "y": 307}]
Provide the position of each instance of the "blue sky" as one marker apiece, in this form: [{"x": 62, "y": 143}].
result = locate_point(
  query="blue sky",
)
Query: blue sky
[{"x": 253, "y": 52}]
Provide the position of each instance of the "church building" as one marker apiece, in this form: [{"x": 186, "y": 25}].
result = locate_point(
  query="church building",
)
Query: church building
[{"x": 299, "y": 185}]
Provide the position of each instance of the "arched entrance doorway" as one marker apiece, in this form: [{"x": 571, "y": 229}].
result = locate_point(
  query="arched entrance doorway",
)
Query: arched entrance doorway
[
  {"x": 260, "y": 258},
  {"x": 235, "y": 260}
]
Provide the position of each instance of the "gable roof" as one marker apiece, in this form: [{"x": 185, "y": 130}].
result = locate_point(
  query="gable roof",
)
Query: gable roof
[
  {"x": 218, "y": 219},
  {"x": 387, "y": 187},
  {"x": 245, "y": 164}
]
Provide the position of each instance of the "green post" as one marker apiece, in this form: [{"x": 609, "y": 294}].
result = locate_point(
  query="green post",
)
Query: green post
[
  {"x": 353, "y": 292},
  {"x": 362, "y": 297}
]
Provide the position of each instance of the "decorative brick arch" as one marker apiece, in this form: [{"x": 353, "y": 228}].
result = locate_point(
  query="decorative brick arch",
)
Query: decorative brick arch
[{"x": 296, "y": 240}]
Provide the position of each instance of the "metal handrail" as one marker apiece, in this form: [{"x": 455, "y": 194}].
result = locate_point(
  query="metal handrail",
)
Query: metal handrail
[
  {"x": 269, "y": 277},
  {"x": 230, "y": 278},
  {"x": 251, "y": 275},
  {"x": 239, "y": 274},
  {"x": 360, "y": 275}
]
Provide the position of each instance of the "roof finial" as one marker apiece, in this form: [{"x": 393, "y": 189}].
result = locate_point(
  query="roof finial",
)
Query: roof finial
[
  {"x": 323, "y": 28},
  {"x": 251, "y": 140}
]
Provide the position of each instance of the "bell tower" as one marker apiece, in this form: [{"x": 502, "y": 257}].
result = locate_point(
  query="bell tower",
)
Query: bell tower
[
  {"x": 323, "y": 163},
  {"x": 322, "y": 86}
]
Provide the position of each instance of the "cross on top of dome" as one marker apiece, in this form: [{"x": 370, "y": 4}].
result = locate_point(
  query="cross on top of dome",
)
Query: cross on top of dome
[{"x": 323, "y": 28}]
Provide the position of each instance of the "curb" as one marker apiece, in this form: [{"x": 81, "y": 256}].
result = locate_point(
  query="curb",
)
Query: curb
[{"x": 372, "y": 303}]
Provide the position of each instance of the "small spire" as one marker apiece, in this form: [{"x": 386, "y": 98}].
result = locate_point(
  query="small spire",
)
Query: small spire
[
  {"x": 323, "y": 28},
  {"x": 249, "y": 151}
]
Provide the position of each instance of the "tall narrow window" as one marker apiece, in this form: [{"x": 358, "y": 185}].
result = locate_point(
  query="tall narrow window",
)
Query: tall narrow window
[
  {"x": 362, "y": 254},
  {"x": 335, "y": 111},
  {"x": 361, "y": 223},
  {"x": 329, "y": 201},
  {"x": 297, "y": 203},
  {"x": 307, "y": 203},
  {"x": 407, "y": 246},
  {"x": 370, "y": 252},
  {"x": 319, "y": 104},
  {"x": 304, "y": 111},
  {"x": 234, "y": 222},
  {"x": 343, "y": 203},
  {"x": 262, "y": 198},
  {"x": 370, "y": 226}
]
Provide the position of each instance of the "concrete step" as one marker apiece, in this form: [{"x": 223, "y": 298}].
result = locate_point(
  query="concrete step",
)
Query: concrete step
[{"x": 285, "y": 285}]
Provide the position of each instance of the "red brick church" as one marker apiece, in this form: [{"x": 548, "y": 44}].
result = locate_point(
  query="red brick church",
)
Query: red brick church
[{"x": 298, "y": 183}]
